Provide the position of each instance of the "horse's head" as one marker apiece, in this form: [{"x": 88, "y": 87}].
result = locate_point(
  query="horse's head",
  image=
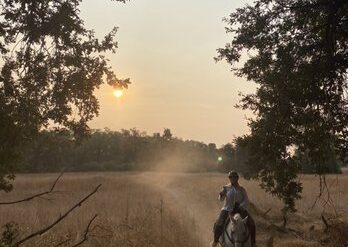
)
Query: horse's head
[{"x": 240, "y": 230}]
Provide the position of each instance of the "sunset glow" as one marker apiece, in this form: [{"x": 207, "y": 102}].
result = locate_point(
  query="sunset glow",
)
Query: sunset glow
[
  {"x": 176, "y": 83},
  {"x": 118, "y": 93}
]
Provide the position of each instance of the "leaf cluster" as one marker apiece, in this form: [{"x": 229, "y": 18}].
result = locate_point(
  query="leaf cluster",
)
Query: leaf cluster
[
  {"x": 51, "y": 66},
  {"x": 297, "y": 53}
]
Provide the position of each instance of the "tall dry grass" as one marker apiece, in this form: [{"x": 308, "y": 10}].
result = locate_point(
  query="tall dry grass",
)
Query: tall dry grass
[
  {"x": 129, "y": 213},
  {"x": 197, "y": 194},
  {"x": 162, "y": 209}
]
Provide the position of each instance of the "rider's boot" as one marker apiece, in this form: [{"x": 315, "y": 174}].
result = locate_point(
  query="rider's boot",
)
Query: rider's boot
[{"x": 213, "y": 244}]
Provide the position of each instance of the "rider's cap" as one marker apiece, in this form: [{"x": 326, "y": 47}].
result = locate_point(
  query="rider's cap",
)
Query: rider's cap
[{"x": 233, "y": 174}]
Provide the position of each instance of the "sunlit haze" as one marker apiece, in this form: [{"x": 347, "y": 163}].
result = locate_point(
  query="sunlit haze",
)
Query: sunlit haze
[
  {"x": 167, "y": 48},
  {"x": 118, "y": 93}
]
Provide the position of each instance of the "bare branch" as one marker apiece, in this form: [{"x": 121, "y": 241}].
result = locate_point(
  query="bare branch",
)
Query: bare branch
[
  {"x": 266, "y": 212},
  {"x": 329, "y": 200},
  {"x": 325, "y": 195},
  {"x": 85, "y": 236},
  {"x": 325, "y": 222},
  {"x": 36, "y": 195},
  {"x": 63, "y": 242},
  {"x": 47, "y": 228},
  {"x": 285, "y": 220},
  {"x": 320, "y": 193}
]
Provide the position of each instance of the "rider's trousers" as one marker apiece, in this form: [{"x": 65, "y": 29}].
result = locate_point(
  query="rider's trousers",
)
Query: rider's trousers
[{"x": 219, "y": 224}]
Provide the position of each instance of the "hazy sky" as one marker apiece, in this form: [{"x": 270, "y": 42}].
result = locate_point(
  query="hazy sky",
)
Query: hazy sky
[{"x": 167, "y": 47}]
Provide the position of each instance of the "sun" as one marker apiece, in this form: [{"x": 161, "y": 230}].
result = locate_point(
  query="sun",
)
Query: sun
[{"x": 118, "y": 93}]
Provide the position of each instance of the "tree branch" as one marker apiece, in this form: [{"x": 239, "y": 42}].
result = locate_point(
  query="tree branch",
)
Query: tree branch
[
  {"x": 325, "y": 222},
  {"x": 63, "y": 242},
  {"x": 85, "y": 236},
  {"x": 266, "y": 212},
  {"x": 36, "y": 195},
  {"x": 47, "y": 228}
]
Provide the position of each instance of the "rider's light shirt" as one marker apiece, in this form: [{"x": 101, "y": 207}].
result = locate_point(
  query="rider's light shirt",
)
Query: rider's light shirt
[{"x": 233, "y": 194}]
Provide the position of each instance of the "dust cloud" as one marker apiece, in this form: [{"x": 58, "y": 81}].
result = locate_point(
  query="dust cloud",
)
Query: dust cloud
[{"x": 182, "y": 195}]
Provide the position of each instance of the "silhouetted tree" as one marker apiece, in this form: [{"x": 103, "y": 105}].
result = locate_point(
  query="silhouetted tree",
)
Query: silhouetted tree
[
  {"x": 51, "y": 66},
  {"x": 212, "y": 146},
  {"x": 345, "y": 161},
  {"x": 227, "y": 156},
  {"x": 307, "y": 166},
  {"x": 298, "y": 57},
  {"x": 167, "y": 134}
]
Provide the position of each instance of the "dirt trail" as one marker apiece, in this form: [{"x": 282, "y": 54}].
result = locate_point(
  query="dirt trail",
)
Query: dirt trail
[
  {"x": 178, "y": 198},
  {"x": 182, "y": 192},
  {"x": 195, "y": 196}
]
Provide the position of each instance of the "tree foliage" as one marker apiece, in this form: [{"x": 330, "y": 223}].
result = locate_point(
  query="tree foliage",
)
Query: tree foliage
[
  {"x": 51, "y": 65},
  {"x": 296, "y": 51},
  {"x": 108, "y": 150}
]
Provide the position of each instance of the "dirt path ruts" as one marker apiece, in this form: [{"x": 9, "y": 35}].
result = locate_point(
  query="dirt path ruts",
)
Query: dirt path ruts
[
  {"x": 194, "y": 195},
  {"x": 179, "y": 195}
]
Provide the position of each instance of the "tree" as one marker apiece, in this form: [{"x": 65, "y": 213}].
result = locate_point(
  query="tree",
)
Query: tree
[
  {"x": 167, "y": 134},
  {"x": 51, "y": 65},
  {"x": 297, "y": 55},
  {"x": 226, "y": 160},
  {"x": 106, "y": 150},
  {"x": 332, "y": 165},
  {"x": 212, "y": 146}
]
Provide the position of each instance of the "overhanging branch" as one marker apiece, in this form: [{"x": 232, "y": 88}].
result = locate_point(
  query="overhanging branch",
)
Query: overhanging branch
[
  {"x": 85, "y": 236},
  {"x": 36, "y": 195},
  {"x": 47, "y": 228}
]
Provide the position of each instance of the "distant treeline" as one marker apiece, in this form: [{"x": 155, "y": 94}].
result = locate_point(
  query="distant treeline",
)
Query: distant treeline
[
  {"x": 125, "y": 150},
  {"x": 132, "y": 150}
]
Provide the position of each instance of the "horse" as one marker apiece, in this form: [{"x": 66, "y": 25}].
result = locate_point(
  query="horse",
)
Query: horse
[{"x": 236, "y": 232}]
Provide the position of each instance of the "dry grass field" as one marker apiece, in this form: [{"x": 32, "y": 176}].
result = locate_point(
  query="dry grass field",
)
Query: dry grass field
[{"x": 164, "y": 209}]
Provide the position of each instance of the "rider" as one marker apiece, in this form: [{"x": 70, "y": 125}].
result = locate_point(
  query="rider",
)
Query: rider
[{"x": 236, "y": 201}]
